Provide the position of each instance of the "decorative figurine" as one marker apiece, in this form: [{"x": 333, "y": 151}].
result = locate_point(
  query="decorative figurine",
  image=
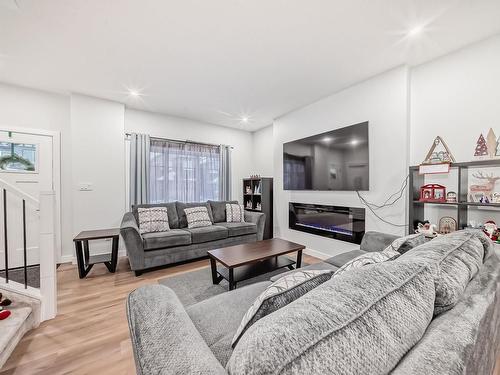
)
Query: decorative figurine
[
  {"x": 427, "y": 229},
  {"x": 447, "y": 225},
  {"x": 451, "y": 197},
  {"x": 433, "y": 193}
]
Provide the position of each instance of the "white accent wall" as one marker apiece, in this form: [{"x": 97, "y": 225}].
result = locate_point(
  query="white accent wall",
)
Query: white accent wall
[
  {"x": 263, "y": 155},
  {"x": 383, "y": 101}
]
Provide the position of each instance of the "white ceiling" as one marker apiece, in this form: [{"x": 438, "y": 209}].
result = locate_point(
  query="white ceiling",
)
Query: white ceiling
[{"x": 219, "y": 60}]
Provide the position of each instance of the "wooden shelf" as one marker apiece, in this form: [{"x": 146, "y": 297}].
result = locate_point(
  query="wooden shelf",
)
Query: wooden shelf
[
  {"x": 468, "y": 164},
  {"x": 437, "y": 203},
  {"x": 478, "y": 204},
  {"x": 263, "y": 199}
]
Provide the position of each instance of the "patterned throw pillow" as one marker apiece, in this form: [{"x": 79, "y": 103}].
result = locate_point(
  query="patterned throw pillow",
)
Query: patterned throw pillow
[
  {"x": 366, "y": 259},
  {"x": 235, "y": 213},
  {"x": 406, "y": 243},
  {"x": 280, "y": 293},
  {"x": 153, "y": 219},
  {"x": 197, "y": 217}
]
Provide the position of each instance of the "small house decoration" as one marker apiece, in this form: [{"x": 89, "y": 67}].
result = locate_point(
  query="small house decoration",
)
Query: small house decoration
[
  {"x": 491, "y": 143},
  {"x": 433, "y": 193},
  {"x": 451, "y": 197},
  {"x": 447, "y": 225},
  {"x": 481, "y": 147}
]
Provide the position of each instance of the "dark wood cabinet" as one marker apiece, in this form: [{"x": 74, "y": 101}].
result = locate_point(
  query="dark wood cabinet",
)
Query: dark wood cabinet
[{"x": 258, "y": 197}]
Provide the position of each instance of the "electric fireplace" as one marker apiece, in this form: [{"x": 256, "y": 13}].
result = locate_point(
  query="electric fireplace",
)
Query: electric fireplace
[{"x": 341, "y": 223}]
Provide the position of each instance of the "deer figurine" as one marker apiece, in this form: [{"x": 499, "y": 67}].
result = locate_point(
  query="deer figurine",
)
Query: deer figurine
[{"x": 486, "y": 189}]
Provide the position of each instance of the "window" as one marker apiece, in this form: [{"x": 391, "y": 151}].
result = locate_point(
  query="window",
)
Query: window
[
  {"x": 17, "y": 157},
  {"x": 184, "y": 172}
]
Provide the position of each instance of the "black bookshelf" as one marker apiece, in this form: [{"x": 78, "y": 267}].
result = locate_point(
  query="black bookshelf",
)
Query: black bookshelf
[
  {"x": 416, "y": 180},
  {"x": 258, "y": 197}
]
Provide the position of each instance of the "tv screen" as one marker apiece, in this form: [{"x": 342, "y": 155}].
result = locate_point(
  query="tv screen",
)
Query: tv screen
[{"x": 335, "y": 160}]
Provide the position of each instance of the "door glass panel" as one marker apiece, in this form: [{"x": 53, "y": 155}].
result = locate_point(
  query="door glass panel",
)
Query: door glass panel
[{"x": 18, "y": 157}]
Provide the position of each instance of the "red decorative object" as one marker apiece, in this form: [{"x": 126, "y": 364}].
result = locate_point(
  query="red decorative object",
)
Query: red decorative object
[
  {"x": 481, "y": 147},
  {"x": 433, "y": 193}
]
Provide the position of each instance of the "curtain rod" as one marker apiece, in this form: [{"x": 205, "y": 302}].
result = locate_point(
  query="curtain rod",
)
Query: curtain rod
[{"x": 182, "y": 141}]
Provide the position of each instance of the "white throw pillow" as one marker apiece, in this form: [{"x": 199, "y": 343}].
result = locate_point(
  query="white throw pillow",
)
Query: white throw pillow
[
  {"x": 153, "y": 219},
  {"x": 197, "y": 217},
  {"x": 235, "y": 213},
  {"x": 279, "y": 294},
  {"x": 366, "y": 259}
]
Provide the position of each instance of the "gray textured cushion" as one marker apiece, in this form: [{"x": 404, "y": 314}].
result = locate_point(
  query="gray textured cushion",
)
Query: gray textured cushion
[
  {"x": 406, "y": 243},
  {"x": 173, "y": 219},
  {"x": 197, "y": 217},
  {"x": 367, "y": 259},
  {"x": 280, "y": 293},
  {"x": 314, "y": 266},
  {"x": 361, "y": 323},
  {"x": 161, "y": 240},
  {"x": 207, "y": 234},
  {"x": 180, "y": 206},
  {"x": 343, "y": 258},
  {"x": 376, "y": 241},
  {"x": 459, "y": 256},
  {"x": 235, "y": 213},
  {"x": 217, "y": 318},
  {"x": 219, "y": 210},
  {"x": 239, "y": 229}
]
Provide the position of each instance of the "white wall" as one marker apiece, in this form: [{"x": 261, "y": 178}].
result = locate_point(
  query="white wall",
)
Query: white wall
[
  {"x": 27, "y": 108},
  {"x": 98, "y": 158},
  {"x": 383, "y": 101},
  {"x": 178, "y": 128},
  {"x": 262, "y": 160}
]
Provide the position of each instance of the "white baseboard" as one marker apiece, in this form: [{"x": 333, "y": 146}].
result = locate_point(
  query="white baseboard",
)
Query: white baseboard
[
  {"x": 72, "y": 258},
  {"x": 316, "y": 254}
]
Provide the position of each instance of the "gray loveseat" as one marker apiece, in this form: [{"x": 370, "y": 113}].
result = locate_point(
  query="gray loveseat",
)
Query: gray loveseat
[
  {"x": 169, "y": 338},
  {"x": 180, "y": 243}
]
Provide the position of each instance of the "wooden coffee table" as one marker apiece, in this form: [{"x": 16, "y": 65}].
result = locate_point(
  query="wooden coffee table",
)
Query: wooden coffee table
[{"x": 242, "y": 262}]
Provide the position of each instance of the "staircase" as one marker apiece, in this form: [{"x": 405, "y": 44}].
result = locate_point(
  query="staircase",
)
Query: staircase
[{"x": 31, "y": 305}]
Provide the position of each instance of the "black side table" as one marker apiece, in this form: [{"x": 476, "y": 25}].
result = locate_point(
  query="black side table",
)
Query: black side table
[{"x": 83, "y": 258}]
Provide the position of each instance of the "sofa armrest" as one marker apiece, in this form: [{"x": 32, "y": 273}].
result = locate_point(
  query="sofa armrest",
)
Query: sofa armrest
[
  {"x": 129, "y": 231},
  {"x": 376, "y": 241},
  {"x": 258, "y": 218},
  {"x": 164, "y": 339}
]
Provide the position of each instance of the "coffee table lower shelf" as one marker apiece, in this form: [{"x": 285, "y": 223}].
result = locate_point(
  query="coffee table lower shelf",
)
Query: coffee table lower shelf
[{"x": 252, "y": 270}]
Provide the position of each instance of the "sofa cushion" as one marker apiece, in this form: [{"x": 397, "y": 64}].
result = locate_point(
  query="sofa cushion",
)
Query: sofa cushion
[
  {"x": 217, "y": 318},
  {"x": 207, "y": 234},
  {"x": 173, "y": 219},
  {"x": 343, "y": 258},
  {"x": 153, "y": 219},
  {"x": 219, "y": 210},
  {"x": 314, "y": 266},
  {"x": 361, "y": 323},
  {"x": 180, "y": 206},
  {"x": 459, "y": 255},
  {"x": 239, "y": 229},
  {"x": 279, "y": 294},
  {"x": 367, "y": 259},
  {"x": 197, "y": 217},
  {"x": 376, "y": 241},
  {"x": 406, "y": 243},
  {"x": 162, "y": 240}
]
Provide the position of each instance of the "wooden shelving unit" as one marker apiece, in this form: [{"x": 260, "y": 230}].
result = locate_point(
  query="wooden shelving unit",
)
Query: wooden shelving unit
[
  {"x": 416, "y": 180},
  {"x": 258, "y": 197}
]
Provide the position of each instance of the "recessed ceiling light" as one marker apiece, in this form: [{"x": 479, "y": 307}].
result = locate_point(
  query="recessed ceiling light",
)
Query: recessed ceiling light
[
  {"x": 354, "y": 142},
  {"x": 415, "y": 31},
  {"x": 327, "y": 139},
  {"x": 244, "y": 119},
  {"x": 134, "y": 93}
]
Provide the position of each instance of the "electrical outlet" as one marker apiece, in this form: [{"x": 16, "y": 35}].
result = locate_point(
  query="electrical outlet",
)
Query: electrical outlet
[{"x": 85, "y": 186}]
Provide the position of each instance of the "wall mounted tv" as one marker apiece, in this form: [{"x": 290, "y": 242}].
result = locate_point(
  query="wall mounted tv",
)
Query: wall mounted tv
[{"x": 335, "y": 160}]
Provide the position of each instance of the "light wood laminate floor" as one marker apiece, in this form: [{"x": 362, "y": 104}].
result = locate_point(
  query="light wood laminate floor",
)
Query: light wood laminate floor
[{"x": 90, "y": 333}]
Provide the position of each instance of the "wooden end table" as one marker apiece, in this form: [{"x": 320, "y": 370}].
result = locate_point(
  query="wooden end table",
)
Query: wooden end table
[
  {"x": 85, "y": 260},
  {"x": 242, "y": 262}
]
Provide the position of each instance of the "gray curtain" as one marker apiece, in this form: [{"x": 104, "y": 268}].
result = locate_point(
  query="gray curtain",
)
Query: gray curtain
[
  {"x": 225, "y": 172},
  {"x": 186, "y": 172},
  {"x": 139, "y": 168}
]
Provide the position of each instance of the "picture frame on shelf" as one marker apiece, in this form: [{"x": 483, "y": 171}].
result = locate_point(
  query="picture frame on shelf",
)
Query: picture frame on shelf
[{"x": 433, "y": 193}]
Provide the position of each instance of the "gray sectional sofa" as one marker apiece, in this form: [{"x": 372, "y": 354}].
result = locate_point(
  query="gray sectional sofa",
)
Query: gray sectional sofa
[
  {"x": 384, "y": 318},
  {"x": 150, "y": 250}
]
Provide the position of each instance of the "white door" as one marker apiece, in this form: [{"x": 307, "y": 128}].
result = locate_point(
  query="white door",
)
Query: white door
[{"x": 26, "y": 163}]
